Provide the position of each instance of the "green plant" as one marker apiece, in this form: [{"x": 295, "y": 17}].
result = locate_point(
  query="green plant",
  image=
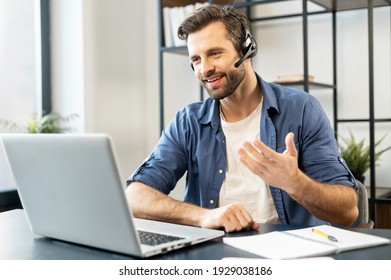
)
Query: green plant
[
  {"x": 357, "y": 155},
  {"x": 49, "y": 123}
]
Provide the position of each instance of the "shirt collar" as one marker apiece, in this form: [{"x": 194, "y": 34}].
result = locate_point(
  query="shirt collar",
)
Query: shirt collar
[
  {"x": 212, "y": 113},
  {"x": 269, "y": 97}
]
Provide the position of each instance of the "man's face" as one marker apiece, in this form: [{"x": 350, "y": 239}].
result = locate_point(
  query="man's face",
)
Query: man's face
[{"x": 213, "y": 57}]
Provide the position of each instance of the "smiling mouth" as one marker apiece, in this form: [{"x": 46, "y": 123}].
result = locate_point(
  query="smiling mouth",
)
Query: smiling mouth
[{"x": 212, "y": 80}]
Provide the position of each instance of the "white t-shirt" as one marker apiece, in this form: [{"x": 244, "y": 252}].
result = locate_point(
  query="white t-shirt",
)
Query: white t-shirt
[{"x": 240, "y": 184}]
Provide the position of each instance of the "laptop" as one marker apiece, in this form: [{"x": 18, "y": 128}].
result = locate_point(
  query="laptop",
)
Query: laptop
[{"x": 71, "y": 190}]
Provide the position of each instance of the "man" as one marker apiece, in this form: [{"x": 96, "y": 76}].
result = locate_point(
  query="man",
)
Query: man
[{"x": 254, "y": 152}]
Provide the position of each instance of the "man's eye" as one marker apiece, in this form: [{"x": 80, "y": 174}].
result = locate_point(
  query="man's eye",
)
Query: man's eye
[{"x": 195, "y": 60}]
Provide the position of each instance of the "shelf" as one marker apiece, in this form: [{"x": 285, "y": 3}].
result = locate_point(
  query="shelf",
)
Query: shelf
[
  {"x": 175, "y": 3},
  {"x": 363, "y": 120},
  {"x": 178, "y": 50},
  {"x": 345, "y": 5},
  {"x": 329, "y": 5},
  {"x": 381, "y": 192},
  {"x": 312, "y": 85}
]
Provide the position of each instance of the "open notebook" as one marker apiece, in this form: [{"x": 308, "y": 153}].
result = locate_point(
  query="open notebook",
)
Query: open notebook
[{"x": 304, "y": 242}]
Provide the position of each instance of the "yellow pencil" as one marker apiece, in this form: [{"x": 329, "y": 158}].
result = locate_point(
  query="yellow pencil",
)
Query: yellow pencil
[{"x": 321, "y": 233}]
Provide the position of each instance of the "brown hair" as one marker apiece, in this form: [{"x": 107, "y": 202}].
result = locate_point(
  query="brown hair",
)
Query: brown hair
[{"x": 212, "y": 13}]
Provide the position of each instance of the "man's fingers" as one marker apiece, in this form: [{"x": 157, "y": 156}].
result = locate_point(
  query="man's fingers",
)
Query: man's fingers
[
  {"x": 263, "y": 149},
  {"x": 235, "y": 218},
  {"x": 290, "y": 145},
  {"x": 255, "y": 226}
]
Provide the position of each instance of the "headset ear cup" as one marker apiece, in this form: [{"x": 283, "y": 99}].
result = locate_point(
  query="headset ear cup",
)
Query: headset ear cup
[
  {"x": 249, "y": 46},
  {"x": 246, "y": 44},
  {"x": 253, "y": 46}
]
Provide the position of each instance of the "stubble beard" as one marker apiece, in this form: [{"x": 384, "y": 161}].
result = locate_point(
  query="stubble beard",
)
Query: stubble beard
[{"x": 233, "y": 79}]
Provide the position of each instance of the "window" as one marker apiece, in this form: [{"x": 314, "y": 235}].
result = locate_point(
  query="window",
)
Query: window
[
  {"x": 20, "y": 66},
  {"x": 19, "y": 69}
]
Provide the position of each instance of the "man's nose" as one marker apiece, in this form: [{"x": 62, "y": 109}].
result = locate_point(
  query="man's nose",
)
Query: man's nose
[{"x": 206, "y": 67}]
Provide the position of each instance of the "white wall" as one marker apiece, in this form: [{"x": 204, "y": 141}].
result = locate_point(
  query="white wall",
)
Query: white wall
[
  {"x": 118, "y": 91},
  {"x": 99, "y": 71}
]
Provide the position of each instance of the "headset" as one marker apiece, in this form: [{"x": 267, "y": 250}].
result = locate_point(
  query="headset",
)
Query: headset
[{"x": 249, "y": 45}]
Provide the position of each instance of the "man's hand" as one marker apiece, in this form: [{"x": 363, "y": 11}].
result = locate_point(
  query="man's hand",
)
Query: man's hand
[
  {"x": 233, "y": 217},
  {"x": 275, "y": 169}
]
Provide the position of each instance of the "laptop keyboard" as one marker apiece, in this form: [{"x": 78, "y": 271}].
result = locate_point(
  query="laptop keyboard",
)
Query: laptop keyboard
[{"x": 153, "y": 238}]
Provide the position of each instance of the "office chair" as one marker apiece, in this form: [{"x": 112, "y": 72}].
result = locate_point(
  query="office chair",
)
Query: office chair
[{"x": 363, "y": 219}]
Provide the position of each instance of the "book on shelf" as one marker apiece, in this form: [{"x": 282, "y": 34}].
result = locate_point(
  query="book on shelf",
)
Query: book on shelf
[
  {"x": 172, "y": 18},
  {"x": 301, "y": 243},
  {"x": 177, "y": 15},
  {"x": 292, "y": 78},
  {"x": 168, "y": 38}
]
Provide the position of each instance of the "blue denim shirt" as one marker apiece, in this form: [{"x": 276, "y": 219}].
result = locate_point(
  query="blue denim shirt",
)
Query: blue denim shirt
[{"x": 194, "y": 142}]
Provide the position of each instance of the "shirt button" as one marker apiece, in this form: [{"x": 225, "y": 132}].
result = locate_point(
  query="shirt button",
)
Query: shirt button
[
  {"x": 211, "y": 201},
  {"x": 221, "y": 171}
]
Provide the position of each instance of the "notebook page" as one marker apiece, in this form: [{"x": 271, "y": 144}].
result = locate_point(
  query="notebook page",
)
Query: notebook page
[
  {"x": 347, "y": 239},
  {"x": 279, "y": 245}
]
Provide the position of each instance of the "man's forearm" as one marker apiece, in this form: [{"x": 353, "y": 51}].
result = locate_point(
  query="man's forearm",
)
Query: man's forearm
[
  {"x": 148, "y": 203},
  {"x": 334, "y": 203}
]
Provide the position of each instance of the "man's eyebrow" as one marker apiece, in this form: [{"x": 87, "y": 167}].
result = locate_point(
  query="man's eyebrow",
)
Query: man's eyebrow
[
  {"x": 217, "y": 49},
  {"x": 210, "y": 51}
]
